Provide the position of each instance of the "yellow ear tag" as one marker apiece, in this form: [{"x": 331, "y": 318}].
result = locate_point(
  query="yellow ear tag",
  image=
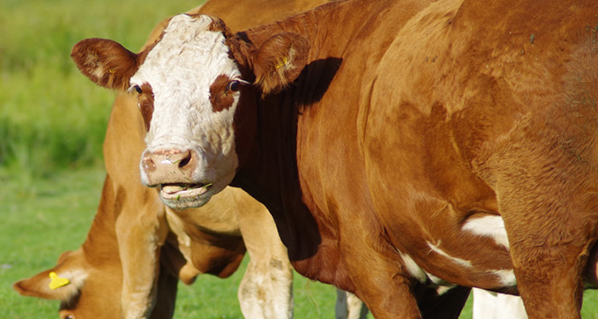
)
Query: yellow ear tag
[
  {"x": 282, "y": 63},
  {"x": 57, "y": 282}
]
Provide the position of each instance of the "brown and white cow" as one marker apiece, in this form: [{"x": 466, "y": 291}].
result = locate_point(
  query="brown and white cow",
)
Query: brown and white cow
[
  {"x": 399, "y": 145},
  {"x": 201, "y": 241},
  {"x": 186, "y": 243}
]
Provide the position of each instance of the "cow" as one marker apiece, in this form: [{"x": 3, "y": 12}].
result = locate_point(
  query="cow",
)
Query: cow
[
  {"x": 159, "y": 246},
  {"x": 407, "y": 150},
  {"x": 202, "y": 241}
]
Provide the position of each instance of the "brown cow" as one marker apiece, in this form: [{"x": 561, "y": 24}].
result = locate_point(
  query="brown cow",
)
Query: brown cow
[
  {"x": 205, "y": 240},
  {"x": 420, "y": 145}
]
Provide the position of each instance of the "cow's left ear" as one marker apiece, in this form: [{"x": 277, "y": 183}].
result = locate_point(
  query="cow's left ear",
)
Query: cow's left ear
[
  {"x": 279, "y": 61},
  {"x": 62, "y": 282}
]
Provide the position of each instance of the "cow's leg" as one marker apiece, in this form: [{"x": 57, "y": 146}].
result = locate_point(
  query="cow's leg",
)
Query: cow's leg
[
  {"x": 549, "y": 279},
  {"x": 381, "y": 281},
  {"x": 166, "y": 295},
  {"x": 348, "y": 306},
  {"x": 140, "y": 230},
  {"x": 548, "y": 257},
  {"x": 550, "y": 218},
  {"x": 493, "y": 305},
  {"x": 266, "y": 290},
  {"x": 389, "y": 299}
]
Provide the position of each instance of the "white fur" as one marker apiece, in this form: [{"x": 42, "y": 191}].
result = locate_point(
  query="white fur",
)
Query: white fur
[
  {"x": 456, "y": 260},
  {"x": 506, "y": 277},
  {"x": 488, "y": 226},
  {"x": 180, "y": 70},
  {"x": 413, "y": 268},
  {"x": 492, "y": 305},
  {"x": 348, "y": 306}
]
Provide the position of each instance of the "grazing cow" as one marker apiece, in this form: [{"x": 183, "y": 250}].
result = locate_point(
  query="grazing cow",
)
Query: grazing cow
[
  {"x": 402, "y": 147},
  {"x": 150, "y": 240},
  {"x": 205, "y": 240}
]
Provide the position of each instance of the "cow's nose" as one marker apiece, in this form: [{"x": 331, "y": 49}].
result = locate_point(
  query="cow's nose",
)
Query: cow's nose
[{"x": 169, "y": 166}]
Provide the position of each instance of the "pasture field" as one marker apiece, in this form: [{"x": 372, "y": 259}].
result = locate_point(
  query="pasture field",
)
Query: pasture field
[{"x": 52, "y": 124}]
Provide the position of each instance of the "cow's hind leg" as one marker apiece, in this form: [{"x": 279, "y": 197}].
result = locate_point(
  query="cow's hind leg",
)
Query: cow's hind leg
[
  {"x": 550, "y": 218},
  {"x": 548, "y": 257}
]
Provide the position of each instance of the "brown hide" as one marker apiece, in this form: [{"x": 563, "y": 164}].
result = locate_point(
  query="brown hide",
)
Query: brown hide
[{"x": 409, "y": 124}]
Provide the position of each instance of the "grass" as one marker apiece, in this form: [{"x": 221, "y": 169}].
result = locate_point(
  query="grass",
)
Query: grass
[{"x": 51, "y": 116}]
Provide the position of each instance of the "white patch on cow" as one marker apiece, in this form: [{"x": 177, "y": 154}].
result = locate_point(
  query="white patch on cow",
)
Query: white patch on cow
[
  {"x": 441, "y": 290},
  {"x": 413, "y": 268},
  {"x": 506, "y": 277},
  {"x": 180, "y": 69},
  {"x": 488, "y": 226},
  {"x": 459, "y": 261},
  {"x": 442, "y": 286},
  {"x": 493, "y": 305},
  {"x": 437, "y": 280}
]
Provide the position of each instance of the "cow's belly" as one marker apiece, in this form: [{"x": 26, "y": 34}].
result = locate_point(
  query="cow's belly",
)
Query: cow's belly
[
  {"x": 471, "y": 253},
  {"x": 447, "y": 230}
]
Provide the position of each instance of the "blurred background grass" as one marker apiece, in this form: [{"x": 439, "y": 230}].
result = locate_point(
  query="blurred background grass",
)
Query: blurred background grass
[
  {"x": 52, "y": 125},
  {"x": 51, "y": 117}
]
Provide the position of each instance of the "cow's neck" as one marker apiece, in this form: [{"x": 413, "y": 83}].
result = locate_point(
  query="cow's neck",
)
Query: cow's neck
[
  {"x": 101, "y": 243},
  {"x": 271, "y": 175}
]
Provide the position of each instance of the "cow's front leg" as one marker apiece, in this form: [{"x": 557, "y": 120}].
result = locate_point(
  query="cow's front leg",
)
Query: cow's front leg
[
  {"x": 140, "y": 231},
  {"x": 348, "y": 306},
  {"x": 266, "y": 290}
]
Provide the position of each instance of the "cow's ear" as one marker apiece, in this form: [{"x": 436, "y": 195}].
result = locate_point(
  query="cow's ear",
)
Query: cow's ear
[
  {"x": 279, "y": 61},
  {"x": 62, "y": 282},
  {"x": 107, "y": 63}
]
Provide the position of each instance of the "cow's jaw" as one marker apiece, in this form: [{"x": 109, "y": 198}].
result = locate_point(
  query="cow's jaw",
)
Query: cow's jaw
[{"x": 185, "y": 70}]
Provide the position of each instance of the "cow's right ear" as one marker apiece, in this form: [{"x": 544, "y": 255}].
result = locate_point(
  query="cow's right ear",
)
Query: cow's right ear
[
  {"x": 62, "y": 282},
  {"x": 279, "y": 61},
  {"x": 107, "y": 63}
]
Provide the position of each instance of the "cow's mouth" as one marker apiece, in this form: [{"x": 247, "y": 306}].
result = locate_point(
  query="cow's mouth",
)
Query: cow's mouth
[{"x": 182, "y": 191}]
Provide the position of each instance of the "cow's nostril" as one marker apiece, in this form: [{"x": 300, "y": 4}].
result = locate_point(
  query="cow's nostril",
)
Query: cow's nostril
[
  {"x": 148, "y": 163},
  {"x": 184, "y": 161}
]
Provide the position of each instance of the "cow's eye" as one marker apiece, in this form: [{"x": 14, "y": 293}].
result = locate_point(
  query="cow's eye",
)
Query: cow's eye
[
  {"x": 233, "y": 86},
  {"x": 137, "y": 89}
]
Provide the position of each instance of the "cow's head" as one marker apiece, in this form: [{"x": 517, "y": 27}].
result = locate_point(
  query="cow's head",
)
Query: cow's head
[
  {"x": 84, "y": 292},
  {"x": 195, "y": 94},
  {"x": 93, "y": 290}
]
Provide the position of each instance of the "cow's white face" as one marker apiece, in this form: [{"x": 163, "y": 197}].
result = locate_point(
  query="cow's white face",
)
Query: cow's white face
[
  {"x": 190, "y": 141},
  {"x": 188, "y": 90}
]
